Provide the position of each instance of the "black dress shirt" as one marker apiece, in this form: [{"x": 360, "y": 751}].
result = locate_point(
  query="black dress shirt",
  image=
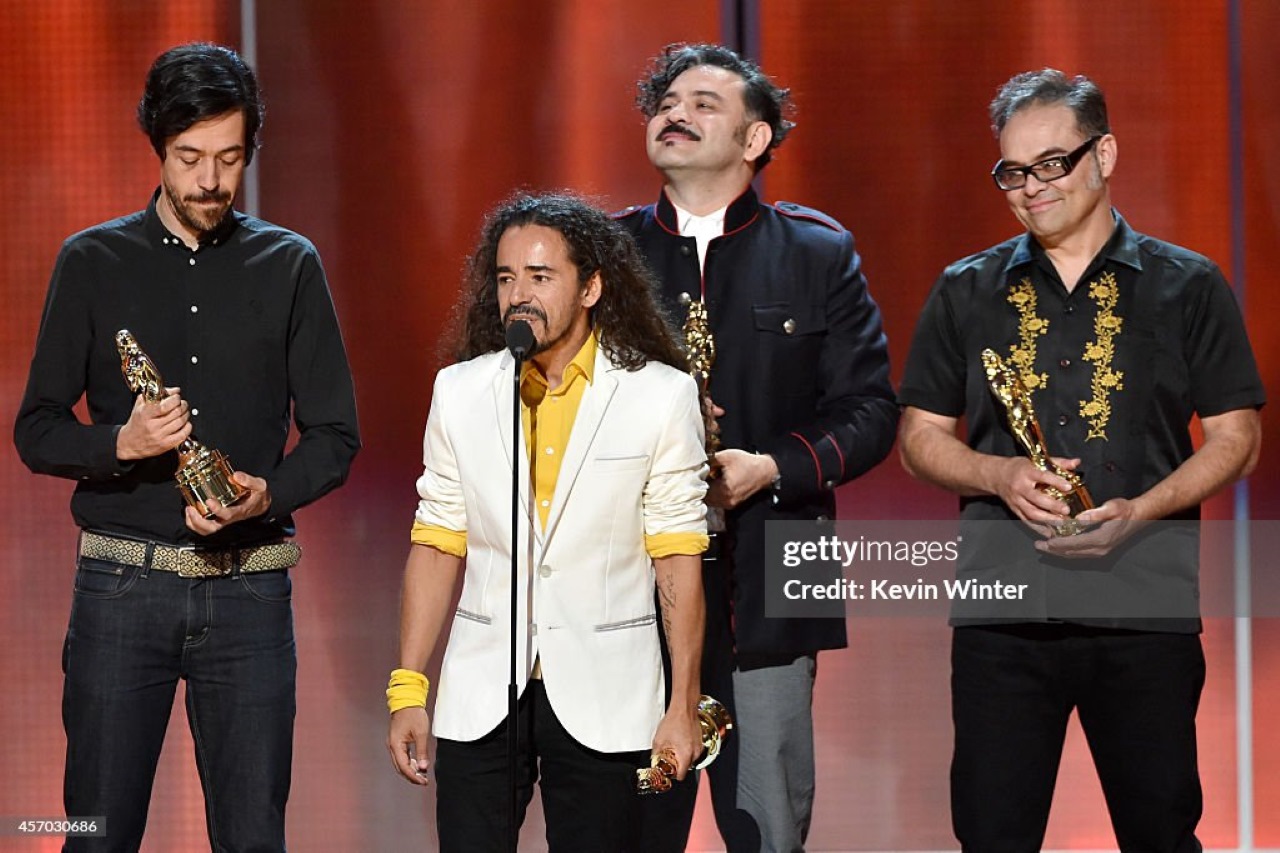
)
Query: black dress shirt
[
  {"x": 1149, "y": 337},
  {"x": 244, "y": 325}
]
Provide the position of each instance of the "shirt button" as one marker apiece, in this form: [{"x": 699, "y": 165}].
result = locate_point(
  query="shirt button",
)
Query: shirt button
[
  {"x": 789, "y": 326},
  {"x": 1062, "y": 420},
  {"x": 195, "y": 412},
  {"x": 685, "y": 299},
  {"x": 550, "y": 450},
  {"x": 1070, "y": 309},
  {"x": 195, "y": 359},
  {"x": 1066, "y": 362},
  {"x": 195, "y": 309},
  {"x": 191, "y": 261},
  {"x": 829, "y": 484},
  {"x": 546, "y": 503},
  {"x": 685, "y": 250},
  {"x": 545, "y": 571}
]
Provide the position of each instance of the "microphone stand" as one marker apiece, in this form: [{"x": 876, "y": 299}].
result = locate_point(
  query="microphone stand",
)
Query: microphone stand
[{"x": 520, "y": 340}]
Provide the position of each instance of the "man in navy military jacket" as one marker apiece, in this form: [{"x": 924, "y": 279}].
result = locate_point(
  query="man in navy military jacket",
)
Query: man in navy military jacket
[{"x": 800, "y": 387}]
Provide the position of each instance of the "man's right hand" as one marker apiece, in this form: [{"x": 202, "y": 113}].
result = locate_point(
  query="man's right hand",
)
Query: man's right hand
[
  {"x": 154, "y": 428},
  {"x": 1020, "y": 484},
  {"x": 407, "y": 743}
]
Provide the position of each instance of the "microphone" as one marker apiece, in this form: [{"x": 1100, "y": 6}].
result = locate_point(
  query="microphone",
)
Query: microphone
[{"x": 520, "y": 339}]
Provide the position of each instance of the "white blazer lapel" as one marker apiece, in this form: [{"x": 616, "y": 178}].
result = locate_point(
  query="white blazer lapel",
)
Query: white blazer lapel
[
  {"x": 591, "y": 411},
  {"x": 503, "y": 410}
]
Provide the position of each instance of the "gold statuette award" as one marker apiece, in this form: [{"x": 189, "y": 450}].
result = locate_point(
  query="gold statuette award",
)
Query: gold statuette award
[
  {"x": 203, "y": 473},
  {"x": 1009, "y": 389},
  {"x": 715, "y": 722},
  {"x": 700, "y": 347}
]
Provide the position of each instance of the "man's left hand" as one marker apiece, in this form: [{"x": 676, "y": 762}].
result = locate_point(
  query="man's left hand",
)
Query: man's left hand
[
  {"x": 256, "y": 503},
  {"x": 741, "y": 475},
  {"x": 679, "y": 732},
  {"x": 1116, "y": 521}
]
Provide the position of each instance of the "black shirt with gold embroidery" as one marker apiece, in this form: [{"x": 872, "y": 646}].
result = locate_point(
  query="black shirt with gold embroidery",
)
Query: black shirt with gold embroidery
[{"x": 1150, "y": 336}]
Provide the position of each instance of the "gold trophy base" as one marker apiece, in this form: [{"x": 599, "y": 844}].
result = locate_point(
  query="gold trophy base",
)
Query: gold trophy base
[
  {"x": 1077, "y": 500},
  {"x": 203, "y": 475},
  {"x": 715, "y": 722}
]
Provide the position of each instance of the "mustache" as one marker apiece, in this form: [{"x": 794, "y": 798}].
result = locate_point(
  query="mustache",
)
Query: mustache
[
  {"x": 672, "y": 129},
  {"x": 515, "y": 312},
  {"x": 222, "y": 196}
]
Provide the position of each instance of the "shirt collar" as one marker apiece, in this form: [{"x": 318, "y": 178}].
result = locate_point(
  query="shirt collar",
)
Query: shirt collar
[
  {"x": 583, "y": 364},
  {"x": 1121, "y": 247},
  {"x": 158, "y": 232},
  {"x": 738, "y": 214},
  {"x": 692, "y": 225}
]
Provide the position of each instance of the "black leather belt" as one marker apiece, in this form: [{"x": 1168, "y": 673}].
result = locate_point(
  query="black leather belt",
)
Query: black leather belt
[{"x": 189, "y": 561}]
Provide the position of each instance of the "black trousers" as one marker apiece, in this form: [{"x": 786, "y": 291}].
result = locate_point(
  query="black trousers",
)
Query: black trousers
[
  {"x": 1013, "y": 689},
  {"x": 589, "y": 798},
  {"x": 666, "y": 819}
]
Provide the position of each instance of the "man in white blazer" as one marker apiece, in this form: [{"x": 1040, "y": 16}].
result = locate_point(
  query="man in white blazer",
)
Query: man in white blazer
[{"x": 612, "y": 471}]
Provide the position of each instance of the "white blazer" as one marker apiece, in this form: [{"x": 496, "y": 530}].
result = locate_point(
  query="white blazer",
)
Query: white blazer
[{"x": 635, "y": 464}]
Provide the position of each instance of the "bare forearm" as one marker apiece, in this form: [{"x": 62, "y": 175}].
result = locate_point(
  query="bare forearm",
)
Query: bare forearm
[
  {"x": 679, "y": 580},
  {"x": 930, "y": 451},
  {"x": 429, "y": 579}
]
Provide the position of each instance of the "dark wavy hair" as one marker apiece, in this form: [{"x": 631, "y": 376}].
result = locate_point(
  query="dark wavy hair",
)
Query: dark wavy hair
[
  {"x": 194, "y": 82},
  {"x": 633, "y": 330},
  {"x": 765, "y": 101},
  {"x": 1050, "y": 87}
]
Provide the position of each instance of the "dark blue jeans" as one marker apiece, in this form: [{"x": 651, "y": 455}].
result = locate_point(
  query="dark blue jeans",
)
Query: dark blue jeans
[{"x": 133, "y": 634}]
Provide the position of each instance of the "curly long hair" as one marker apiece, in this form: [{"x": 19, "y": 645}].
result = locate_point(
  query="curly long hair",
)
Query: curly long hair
[
  {"x": 633, "y": 329},
  {"x": 765, "y": 100}
]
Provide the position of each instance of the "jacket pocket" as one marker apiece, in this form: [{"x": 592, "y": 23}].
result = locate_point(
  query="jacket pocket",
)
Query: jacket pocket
[
  {"x": 473, "y": 617},
  {"x": 637, "y": 622},
  {"x": 609, "y": 464},
  {"x": 784, "y": 318}
]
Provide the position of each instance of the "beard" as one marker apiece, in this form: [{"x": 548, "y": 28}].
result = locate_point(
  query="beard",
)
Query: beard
[
  {"x": 525, "y": 313},
  {"x": 194, "y": 214}
]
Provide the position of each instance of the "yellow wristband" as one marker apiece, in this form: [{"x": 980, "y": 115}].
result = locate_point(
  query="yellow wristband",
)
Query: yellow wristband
[{"x": 406, "y": 689}]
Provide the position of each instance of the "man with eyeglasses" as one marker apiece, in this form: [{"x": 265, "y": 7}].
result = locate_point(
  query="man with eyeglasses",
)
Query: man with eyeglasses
[{"x": 1120, "y": 340}]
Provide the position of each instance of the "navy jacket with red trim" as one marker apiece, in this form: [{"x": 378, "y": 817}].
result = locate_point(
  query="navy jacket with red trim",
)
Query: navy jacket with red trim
[{"x": 801, "y": 370}]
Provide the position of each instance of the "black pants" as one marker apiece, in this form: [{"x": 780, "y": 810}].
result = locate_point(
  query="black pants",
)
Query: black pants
[
  {"x": 1013, "y": 689},
  {"x": 589, "y": 798},
  {"x": 667, "y": 818}
]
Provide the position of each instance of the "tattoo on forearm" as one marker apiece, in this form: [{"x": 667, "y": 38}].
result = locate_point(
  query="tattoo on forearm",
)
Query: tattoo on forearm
[{"x": 667, "y": 594}]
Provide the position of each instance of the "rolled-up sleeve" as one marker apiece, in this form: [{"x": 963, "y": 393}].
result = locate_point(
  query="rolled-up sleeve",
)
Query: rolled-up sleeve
[
  {"x": 441, "y": 504},
  {"x": 675, "y": 512}
]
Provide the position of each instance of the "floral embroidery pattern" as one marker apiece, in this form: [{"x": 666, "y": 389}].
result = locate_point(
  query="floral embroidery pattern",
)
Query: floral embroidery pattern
[
  {"x": 1100, "y": 353},
  {"x": 1022, "y": 355}
]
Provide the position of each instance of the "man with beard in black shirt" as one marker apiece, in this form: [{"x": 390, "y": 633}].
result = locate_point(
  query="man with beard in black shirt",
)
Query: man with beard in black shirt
[{"x": 236, "y": 315}]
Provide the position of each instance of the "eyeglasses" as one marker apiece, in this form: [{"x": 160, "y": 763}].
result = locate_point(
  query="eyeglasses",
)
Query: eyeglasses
[{"x": 1049, "y": 169}]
